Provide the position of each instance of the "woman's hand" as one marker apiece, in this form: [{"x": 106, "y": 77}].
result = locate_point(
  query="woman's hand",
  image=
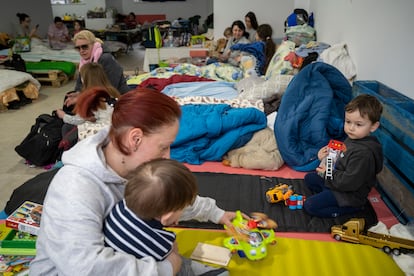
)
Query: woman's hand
[
  {"x": 228, "y": 217},
  {"x": 33, "y": 31}
]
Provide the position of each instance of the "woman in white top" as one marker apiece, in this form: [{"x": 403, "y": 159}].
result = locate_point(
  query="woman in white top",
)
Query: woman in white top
[
  {"x": 23, "y": 29},
  {"x": 251, "y": 25},
  {"x": 239, "y": 36}
]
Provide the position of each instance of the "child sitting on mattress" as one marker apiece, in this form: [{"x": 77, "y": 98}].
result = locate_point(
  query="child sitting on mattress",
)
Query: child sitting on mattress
[
  {"x": 263, "y": 49},
  {"x": 354, "y": 173},
  {"x": 155, "y": 196},
  {"x": 93, "y": 110}
]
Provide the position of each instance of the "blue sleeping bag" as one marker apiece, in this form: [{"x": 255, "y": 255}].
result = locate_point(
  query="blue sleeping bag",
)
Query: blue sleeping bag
[
  {"x": 311, "y": 113},
  {"x": 208, "y": 131}
]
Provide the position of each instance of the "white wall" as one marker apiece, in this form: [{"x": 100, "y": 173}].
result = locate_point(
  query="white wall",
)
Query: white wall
[
  {"x": 78, "y": 9},
  {"x": 378, "y": 33},
  {"x": 273, "y": 12},
  {"x": 39, "y": 11},
  {"x": 172, "y": 9}
]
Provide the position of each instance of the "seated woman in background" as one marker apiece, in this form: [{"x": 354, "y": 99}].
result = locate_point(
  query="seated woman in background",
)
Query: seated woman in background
[
  {"x": 130, "y": 21},
  {"x": 58, "y": 34},
  {"x": 24, "y": 29},
  {"x": 239, "y": 35},
  {"x": 90, "y": 50},
  {"x": 251, "y": 25},
  {"x": 262, "y": 49}
]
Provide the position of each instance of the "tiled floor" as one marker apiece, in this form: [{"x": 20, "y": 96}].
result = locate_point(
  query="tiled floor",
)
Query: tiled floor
[{"x": 16, "y": 124}]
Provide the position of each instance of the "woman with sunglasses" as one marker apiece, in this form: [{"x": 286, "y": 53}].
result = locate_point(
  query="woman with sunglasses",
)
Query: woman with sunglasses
[{"x": 90, "y": 50}]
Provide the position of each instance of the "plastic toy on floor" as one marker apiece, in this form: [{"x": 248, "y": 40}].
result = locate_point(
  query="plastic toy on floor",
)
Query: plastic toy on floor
[
  {"x": 250, "y": 237},
  {"x": 295, "y": 202},
  {"x": 280, "y": 192},
  {"x": 353, "y": 231}
]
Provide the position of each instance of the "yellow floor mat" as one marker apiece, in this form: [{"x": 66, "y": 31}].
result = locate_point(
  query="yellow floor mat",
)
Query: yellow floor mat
[{"x": 298, "y": 257}]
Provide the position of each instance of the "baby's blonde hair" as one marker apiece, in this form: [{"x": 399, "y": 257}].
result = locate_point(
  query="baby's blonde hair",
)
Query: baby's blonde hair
[{"x": 228, "y": 32}]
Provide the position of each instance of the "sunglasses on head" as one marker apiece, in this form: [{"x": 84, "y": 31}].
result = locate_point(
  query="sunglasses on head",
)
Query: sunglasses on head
[{"x": 82, "y": 47}]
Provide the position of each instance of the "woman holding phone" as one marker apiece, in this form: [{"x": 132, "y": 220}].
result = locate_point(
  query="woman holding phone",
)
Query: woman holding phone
[{"x": 24, "y": 29}]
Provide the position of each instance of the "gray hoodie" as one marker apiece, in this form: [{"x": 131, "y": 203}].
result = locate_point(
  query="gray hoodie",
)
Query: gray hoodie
[{"x": 80, "y": 196}]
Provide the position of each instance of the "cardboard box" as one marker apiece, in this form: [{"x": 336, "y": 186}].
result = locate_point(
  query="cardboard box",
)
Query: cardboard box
[
  {"x": 26, "y": 218},
  {"x": 198, "y": 53}
]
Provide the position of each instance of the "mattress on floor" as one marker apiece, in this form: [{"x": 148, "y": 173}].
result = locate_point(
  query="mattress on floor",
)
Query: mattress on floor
[
  {"x": 298, "y": 256},
  {"x": 69, "y": 68},
  {"x": 247, "y": 193}
]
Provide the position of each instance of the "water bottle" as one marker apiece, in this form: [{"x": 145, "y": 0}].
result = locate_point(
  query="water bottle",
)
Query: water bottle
[{"x": 170, "y": 38}]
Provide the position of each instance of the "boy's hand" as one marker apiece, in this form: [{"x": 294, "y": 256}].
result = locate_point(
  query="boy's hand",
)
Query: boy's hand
[
  {"x": 321, "y": 169},
  {"x": 323, "y": 152}
]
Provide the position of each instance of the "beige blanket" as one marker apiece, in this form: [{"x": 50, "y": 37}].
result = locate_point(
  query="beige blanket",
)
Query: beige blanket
[{"x": 260, "y": 153}]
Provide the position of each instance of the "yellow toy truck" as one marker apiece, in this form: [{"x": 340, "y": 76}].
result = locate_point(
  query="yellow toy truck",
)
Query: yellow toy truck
[
  {"x": 353, "y": 231},
  {"x": 280, "y": 192}
]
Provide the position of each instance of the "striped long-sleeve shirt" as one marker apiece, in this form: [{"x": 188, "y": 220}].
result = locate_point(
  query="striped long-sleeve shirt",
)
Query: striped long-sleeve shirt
[{"x": 125, "y": 232}]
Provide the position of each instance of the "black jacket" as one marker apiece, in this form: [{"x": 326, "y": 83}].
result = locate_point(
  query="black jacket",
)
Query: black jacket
[{"x": 355, "y": 171}]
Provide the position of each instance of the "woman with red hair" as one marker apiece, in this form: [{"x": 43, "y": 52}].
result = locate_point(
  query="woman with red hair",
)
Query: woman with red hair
[{"x": 92, "y": 180}]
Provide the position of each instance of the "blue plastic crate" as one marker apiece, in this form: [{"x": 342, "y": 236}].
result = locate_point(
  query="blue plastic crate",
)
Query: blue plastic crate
[{"x": 396, "y": 134}]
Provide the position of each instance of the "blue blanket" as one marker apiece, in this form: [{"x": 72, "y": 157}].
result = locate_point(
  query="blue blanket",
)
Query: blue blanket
[
  {"x": 216, "y": 89},
  {"x": 257, "y": 49},
  {"x": 208, "y": 131},
  {"x": 310, "y": 114}
]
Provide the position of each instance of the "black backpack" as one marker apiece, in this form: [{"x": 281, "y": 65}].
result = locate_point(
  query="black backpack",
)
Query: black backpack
[
  {"x": 41, "y": 145},
  {"x": 17, "y": 63}
]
